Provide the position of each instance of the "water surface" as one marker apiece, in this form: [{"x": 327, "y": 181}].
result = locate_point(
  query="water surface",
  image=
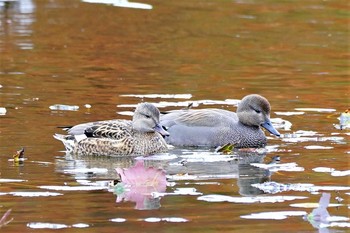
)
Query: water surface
[{"x": 211, "y": 53}]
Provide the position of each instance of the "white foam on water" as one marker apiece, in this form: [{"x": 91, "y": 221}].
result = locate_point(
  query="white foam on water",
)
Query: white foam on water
[
  {"x": 289, "y": 113},
  {"x": 122, "y": 3},
  {"x": 332, "y": 171},
  {"x": 301, "y": 138},
  {"x": 194, "y": 103},
  {"x": 340, "y": 173},
  {"x": 274, "y": 187},
  {"x": 279, "y": 167},
  {"x": 335, "y": 224},
  {"x": 323, "y": 169},
  {"x": 174, "y": 219},
  {"x": 45, "y": 225},
  {"x": 162, "y": 96},
  {"x": 167, "y": 219},
  {"x": 80, "y": 225},
  {"x": 34, "y": 194},
  {"x": 64, "y": 107},
  {"x": 178, "y": 177},
  {"x": 178, "y": 191},
  {"x": 278, "y": 215},
  {"x": 280, "y": 123},
  {"x": 158, "y": 157},
  {"x": 126, "y": 113},
  {"x": 315, "y": 147},
  {"x": 337, "y": 218},
  {"x": 205, "y": 157},
  {"x": 72, "y": 188},
  {"x": 316, "y": 109},
  {"x": 152, "y": 219},
  {"x": 118, "y": 220},
  {"x": 256, "y": 199},
  {"x": 3, "y": 111},
  {"x": 312, "y": 205},
  {"x": 86, "y": 170},
  {"x": 182, "y": 177},
  {"x": 11, "y": 180}
]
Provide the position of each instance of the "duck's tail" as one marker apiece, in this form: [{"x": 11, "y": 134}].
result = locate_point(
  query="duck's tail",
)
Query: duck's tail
[{"x": 67, "y": 140}]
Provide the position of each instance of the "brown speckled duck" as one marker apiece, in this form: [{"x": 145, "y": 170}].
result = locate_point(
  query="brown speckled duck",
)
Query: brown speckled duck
[
  {"x": 141, "y": 136},
  {"x": 217, "y": 127}
]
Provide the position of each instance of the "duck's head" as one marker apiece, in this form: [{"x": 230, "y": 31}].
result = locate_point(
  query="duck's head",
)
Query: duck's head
[
  {"x": 254, "y": 110},
  {"x": 146, "y": 119}
]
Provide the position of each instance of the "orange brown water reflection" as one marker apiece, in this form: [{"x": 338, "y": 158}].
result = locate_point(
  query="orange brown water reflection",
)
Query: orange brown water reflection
[{"x": 68, "y": 52}]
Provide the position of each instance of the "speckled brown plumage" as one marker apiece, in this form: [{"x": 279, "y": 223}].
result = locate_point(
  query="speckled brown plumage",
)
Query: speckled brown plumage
[{"x": 141, "y": 136}]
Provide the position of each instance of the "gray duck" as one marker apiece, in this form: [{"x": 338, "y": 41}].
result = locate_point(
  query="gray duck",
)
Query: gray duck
[{"x": 216, "y": 127}]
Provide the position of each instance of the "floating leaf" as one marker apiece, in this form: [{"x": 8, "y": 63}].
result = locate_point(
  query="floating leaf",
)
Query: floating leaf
[
  {"x": 345, "y": 119},
  {"x": 19, "y": 155},
  {"x": 225, "y": 149},
  {"x": 4, "y": 221},
  {"x": 320, "y": 213},
  {"x": 63, "y": 107}
]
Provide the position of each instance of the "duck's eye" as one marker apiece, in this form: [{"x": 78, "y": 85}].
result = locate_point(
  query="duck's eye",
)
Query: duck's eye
[
  {"x": 255, "y": 109},
  {"x": 147, "y": 116}
]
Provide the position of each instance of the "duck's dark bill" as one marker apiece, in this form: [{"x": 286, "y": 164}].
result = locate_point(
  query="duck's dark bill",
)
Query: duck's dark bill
[
  {"x": 160, "y": 130},
  {"x": 268, "y": 126}
]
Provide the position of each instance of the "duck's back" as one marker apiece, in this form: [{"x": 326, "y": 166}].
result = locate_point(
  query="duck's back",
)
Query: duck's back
[
  {"x": 115, "y": 129},
  {"x": 205, "y": 127},
  {"x": 210, "y": 127}
]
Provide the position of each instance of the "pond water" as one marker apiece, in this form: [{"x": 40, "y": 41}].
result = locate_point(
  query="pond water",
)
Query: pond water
[{"x": 101, "y": 60}]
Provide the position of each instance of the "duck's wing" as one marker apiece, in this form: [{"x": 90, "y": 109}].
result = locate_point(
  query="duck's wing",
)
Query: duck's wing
[
  {"x": 115, "y": 129},
  {"x": 198, "y": 118}
]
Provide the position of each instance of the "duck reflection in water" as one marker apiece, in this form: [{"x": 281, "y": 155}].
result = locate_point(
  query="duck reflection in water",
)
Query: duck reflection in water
[
  {"x": 248, "y": 174},
  {"x": 137, "y": 184}
]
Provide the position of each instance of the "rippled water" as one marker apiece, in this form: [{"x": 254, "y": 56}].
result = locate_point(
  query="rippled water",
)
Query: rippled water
[{"x": 67, "y": 62}]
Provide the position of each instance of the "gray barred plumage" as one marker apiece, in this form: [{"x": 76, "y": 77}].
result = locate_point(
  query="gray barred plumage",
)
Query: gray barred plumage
[{"x": 217, "y": 127}]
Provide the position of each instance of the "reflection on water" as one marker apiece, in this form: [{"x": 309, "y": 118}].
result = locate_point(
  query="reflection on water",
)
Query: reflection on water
[
  {"x": 58, "y": 55},
  {"x": 16, "y": 21},
  {"x": 140, "y": 177},
  {"x": 138, "y": 183}
]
